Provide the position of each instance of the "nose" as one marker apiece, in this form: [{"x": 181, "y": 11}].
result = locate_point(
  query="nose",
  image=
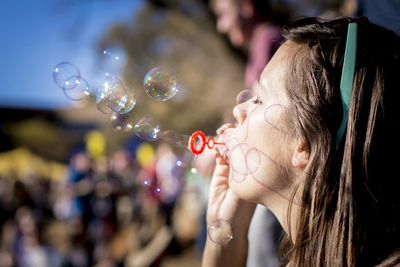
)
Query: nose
[
  {"x": 240, "y": 113},
  {"x": 241, "y": 109}
]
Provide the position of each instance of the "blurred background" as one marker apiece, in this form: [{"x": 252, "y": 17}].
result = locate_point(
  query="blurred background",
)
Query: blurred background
[{"x": 77, "y": 191}]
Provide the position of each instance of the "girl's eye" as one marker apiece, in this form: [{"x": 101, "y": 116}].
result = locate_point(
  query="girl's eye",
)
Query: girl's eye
[{"x": 257, "y": 100}]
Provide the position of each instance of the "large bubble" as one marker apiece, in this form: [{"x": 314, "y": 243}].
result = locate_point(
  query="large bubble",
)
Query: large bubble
[
  {"x": 160, "y": 84},
  {"x": 179, "y": 140},
  {"x": 113, "y": 59},
  {"x": 114, "y": 96}
]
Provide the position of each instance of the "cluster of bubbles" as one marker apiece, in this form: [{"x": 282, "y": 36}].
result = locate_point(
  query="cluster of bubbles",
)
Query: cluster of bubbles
[
  {"x": 69, "y": 79},
  {"x": 117, "y": 100},
  {"x": 114, "y": 98}
]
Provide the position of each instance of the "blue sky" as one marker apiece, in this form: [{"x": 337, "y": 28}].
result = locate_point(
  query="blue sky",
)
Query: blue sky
[{"x": 36, "y": 35}]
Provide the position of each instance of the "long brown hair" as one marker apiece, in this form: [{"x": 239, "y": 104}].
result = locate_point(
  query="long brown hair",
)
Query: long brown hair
[{"x": 351, "y": 195}]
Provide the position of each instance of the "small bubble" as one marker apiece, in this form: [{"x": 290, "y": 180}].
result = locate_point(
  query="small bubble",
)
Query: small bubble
[
  {"x": 62, "y": 72},
  {"x": 220, "y": 231},
  {"x": 101, "y": 100},
  {"x": 147, "y": 128},
  {"x": 147, "y": 182},
  {"x": 77, "y": 88},
  {"x": 245, "y": 96},
  {"x": 157, "y": 190},
  {"x": 121, "y": 122}
]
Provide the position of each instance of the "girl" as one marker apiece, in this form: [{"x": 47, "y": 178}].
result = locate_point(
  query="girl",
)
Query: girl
[{"x": 317, "y": 145}]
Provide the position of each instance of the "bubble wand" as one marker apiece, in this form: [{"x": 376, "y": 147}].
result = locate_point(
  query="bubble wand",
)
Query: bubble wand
[{"x": 200, "y": 135}]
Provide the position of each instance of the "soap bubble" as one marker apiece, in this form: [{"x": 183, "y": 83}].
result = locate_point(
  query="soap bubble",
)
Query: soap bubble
[
  {"x": 113, "y": 59},
  {"x": 245, "y": 96},
  {"x": 101, "y": 99},
  {"x": 220, "y": 231},
  {"x": 112, "y": 55},
  {"x": 118, "y": 98},
  {"x": 147, "y": 182},
  {"x": 121, "y": 100},
  {"x": 160, "y": 84},
  {"x": 147, "y": 128},
  {"x": 63, "y": 72},
  {"x": 121, "y": 122},
  {"x": 178, "y": 169},
  {"x": 179, "y": 140},
  {"x": 77, "y": 88},
  {"x": 114, "y": 96},
  {"x": 156, "y": 191}
]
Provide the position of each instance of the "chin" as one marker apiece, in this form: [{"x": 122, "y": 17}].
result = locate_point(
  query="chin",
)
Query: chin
[{"x": 246, "y": 189}]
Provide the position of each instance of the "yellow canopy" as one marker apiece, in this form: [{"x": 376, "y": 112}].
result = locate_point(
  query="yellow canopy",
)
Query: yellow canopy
[{"x": 21, "y": 163}]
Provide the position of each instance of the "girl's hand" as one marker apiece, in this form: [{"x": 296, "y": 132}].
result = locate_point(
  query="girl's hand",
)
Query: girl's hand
[{"x": 222, "y": 202}]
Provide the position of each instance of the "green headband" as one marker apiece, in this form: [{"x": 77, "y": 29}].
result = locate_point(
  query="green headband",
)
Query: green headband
[{"x": 346, "y": 81}]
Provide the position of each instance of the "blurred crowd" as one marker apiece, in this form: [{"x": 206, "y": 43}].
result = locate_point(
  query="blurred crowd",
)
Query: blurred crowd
[{"x": 127, "y": 209}]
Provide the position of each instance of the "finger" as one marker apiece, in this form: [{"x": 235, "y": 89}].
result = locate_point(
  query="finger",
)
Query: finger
[
  {"x": 225, "y": 126},
  {"x": 221, "y": 159}
]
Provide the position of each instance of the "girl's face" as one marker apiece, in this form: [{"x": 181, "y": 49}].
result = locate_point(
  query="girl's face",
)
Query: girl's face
[{"x": 259, "y": 147}]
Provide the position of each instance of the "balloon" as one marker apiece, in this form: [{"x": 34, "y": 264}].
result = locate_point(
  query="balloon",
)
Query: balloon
[
  {"x": 145, "y": 155},
  {"x": 95, "y": 144}
]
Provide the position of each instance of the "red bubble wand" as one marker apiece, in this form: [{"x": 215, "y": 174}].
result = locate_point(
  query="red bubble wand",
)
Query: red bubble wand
[{"x": 200, "y": 135}]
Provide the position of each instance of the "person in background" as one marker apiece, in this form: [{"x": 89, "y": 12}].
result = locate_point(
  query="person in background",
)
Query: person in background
[{"x": 255, "y": 27}]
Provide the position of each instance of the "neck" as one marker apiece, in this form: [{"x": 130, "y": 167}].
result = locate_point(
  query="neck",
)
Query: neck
[{"x": 280, "y": 208}]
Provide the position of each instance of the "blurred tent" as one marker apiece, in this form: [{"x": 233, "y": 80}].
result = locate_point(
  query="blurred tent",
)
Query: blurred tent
[
  {"x": 44, "y": 132},
  {"x": 21, "y": 163}
]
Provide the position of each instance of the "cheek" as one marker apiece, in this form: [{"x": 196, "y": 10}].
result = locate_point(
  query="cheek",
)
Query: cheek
[
  {"x": 255, "y": 175},
  {"x": 257, "y": 156},
  {"x": 276, "y": 116},
  {"x": 267, "y": 170}
]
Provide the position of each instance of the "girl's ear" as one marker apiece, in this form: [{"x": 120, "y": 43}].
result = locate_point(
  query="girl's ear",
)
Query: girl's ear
[{"x": 301, "y": 155}]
